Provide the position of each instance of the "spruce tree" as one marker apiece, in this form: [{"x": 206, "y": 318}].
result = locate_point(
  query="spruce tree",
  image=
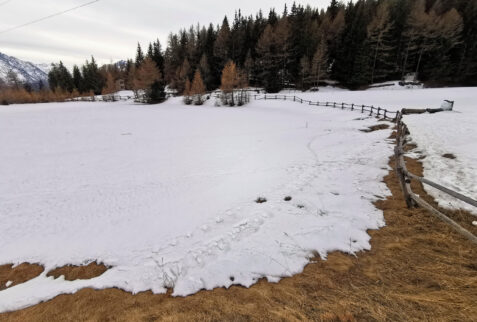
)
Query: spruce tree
[
  {"x": 381, "y": 44},
  {"x": 139, "y": 55},
  {"x": 222, "y": 44},
  {"x": 205, "y": 70},
  {"x": 78, "y": 79}
]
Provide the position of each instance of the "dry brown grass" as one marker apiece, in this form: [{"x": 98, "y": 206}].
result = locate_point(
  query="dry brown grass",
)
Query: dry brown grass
[
  {"x": 21, "y": 96},
  {"x": 19, "y": 274},
  {"x": 418, "y": 270},
  {"x": 377, "y": 127},
  {"x": 72, "y": 273}
]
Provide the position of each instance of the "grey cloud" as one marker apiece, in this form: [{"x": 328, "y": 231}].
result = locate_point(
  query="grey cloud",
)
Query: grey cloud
[{"x": 109, "y": 29}]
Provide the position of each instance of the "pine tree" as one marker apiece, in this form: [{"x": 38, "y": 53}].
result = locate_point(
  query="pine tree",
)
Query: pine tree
[
  {"x": 305, "y": 70},
  {"x": 59, "y": 77},
  {"x": 380, "y": 42},
  {"x": 222, "y": 44},
  {"x": 77, "y": 79},
  {"x": 130, "y": 74},
  {"x": 150, "y": 51},
  {"x": 182, "y": 74},
  {"x": 92, "y": 78},
  {"x": 467, "y": 67},
  {"x": 333, "y": 9},
  {"x": 205, "y": 70},
  {"x": 268, "y": 62},
  {"x": 249, "y": 66},
  {"x": 139, "y": 55},
  {"x": 157, "y": 55}
]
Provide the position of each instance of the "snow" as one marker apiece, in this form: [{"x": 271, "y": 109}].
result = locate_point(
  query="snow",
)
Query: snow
[
  {"x": 8, "y": 284},
  {"x": 392, "y": 99},
  {"x": 435, "y": 134},
  {"x": 451, "y": 132},
  {"x": 26, "y": 71},
  {"x": 393, "y": 85},
  {"x": 165, "y": 194}
]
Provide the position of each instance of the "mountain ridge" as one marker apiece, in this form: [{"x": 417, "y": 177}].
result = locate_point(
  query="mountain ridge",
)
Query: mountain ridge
[{"x": 27, "y": 72}]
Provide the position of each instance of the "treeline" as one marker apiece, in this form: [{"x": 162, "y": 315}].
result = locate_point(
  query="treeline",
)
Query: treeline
[
  {"x": 355, "y": 44},
  {"x": 11, "y": 95}
]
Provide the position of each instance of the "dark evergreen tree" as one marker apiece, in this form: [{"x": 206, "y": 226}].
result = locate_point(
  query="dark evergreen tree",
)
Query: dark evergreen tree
[
  {"x": 92, "y": 78},
  {"x": 139, "y": 55},
  {"x": 78, "y": 79},
  {"x": 60, "y": 77}
]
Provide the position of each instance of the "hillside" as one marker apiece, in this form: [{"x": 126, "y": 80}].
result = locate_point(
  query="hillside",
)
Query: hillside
[{"x": 27, "y": 72}]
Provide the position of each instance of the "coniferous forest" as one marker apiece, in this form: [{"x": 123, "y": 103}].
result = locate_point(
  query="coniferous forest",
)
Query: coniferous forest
[{"x": 355, "y": 44}]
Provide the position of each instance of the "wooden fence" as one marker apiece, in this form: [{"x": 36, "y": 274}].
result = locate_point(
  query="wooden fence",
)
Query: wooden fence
[
  {"x": 101, "y": 98},
  {"x": 368, "y": 109},
  {"x": 405, "y": 177},
  {"x": 412, "y": 199}
]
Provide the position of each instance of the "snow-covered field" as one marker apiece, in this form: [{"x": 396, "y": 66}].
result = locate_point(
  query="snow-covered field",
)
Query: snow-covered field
[
  {"x": 165, "y": 194},
  {"x": 437, "y": 134},
  {"x": 452, "y": 133}
]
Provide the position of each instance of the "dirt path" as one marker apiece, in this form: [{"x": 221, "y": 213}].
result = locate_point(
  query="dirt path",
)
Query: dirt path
[{"x": 418, "y": 269}]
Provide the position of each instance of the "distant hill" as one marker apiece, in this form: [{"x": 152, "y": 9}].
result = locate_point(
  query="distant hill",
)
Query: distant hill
[{"x": 27, "y": 72}]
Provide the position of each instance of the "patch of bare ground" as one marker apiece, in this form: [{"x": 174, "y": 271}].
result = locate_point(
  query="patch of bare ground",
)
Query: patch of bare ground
[
  {"x": 449, "y": 156},
  {"x": 377, "y": 127},
  {"x": 19, "y": 274},
  {"x": 72, "y": 273},
  {"x": 418, "y": 269}
]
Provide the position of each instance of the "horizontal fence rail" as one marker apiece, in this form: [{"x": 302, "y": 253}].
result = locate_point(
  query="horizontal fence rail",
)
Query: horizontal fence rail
[
  {"x": 372, "y": 110},
  {"x": 404, "y": 176},
  {"x": 413, "y": 199},
  {"x": 101, "y": 98}
]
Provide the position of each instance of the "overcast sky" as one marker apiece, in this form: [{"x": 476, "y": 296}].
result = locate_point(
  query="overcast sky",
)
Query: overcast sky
[{"x": 109, "y": 29}]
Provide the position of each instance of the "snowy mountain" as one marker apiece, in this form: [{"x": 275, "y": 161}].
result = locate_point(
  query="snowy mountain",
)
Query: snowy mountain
[{"x": 27, "y": 72}]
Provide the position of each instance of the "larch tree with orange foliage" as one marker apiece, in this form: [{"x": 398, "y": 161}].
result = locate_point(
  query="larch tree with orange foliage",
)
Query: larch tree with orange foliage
[
  {"x": 148, "y": 78},
  {"x": 229, "y": 81},
  {"x": 232, "y": 78},
  {"x": 186, "y": 93},
  {"x": 110, "y": 87},
  {"x": 198, "y": 88}
]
